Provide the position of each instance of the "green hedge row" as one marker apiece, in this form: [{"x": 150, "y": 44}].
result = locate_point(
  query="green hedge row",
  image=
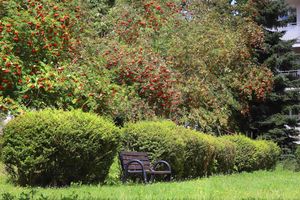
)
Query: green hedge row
[
  {"x": 253, "y": 154},
  {"x": 194, "y": 154},
  {"x": 53, "y": 147},
  {"x": 189, "y": 153}
]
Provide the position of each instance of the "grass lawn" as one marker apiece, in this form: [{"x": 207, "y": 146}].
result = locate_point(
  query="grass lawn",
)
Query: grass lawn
[{"x": 279, "y": 184}]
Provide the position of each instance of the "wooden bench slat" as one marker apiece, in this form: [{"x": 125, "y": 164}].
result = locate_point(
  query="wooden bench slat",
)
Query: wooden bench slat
[
  {"x": 150, "y": 172},
  {"x": 133, "y": 153},
  {"x": 160, "y": 172},
  {"x": 138, "y": 167},
  {"x": 131, "y": 156},
  {"x": 134, "y": 163},
  {"x": 143, "y": 160}
]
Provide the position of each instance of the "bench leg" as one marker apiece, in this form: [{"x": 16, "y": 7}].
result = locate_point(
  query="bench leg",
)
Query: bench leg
[
  {"x": 124, "y": 177},
  {"x": 145, "y": 177},
  {"x": 152, "y": 178},
  {"x": 169, "y": 177}
]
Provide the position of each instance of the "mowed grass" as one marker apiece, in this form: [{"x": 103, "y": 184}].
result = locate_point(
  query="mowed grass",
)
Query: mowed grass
[{"x": 278, "y": 184}]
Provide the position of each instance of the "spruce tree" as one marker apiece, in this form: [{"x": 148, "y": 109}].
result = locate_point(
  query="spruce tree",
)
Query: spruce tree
[{"x": 271, "y": 119}]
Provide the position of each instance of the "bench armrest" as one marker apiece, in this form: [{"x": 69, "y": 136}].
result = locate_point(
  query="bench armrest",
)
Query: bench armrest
[{"x": 162, "y": 162}]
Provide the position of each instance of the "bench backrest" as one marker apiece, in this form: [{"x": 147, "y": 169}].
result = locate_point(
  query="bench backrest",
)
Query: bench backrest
[{"x": 125, "y": 157}]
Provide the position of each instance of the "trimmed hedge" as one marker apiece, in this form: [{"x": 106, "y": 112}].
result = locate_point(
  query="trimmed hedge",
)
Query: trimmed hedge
[
  {"x": 194, "y": 154},
  {"x": 158, "y": 140},
  {"x": 190, "y": 153},
  {"x": 199, "y": 152},
  {"x": 53, "y": 147},
  {"x": 267, "y": 154},
  {"x": 245, "y": 151},
  {"x": 254, "y": 155},
  {"x": 225, "y": 156}
]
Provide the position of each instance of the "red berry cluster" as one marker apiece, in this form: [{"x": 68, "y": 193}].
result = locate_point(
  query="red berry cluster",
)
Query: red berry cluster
[
  {"x": 143, "y": 69},
  {"x": 41, "y": 32},
  {"x": 257, "y": 83}
]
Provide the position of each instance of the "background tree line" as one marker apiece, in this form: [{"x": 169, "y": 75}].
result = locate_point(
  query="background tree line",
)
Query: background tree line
[{"x": 215, "y": 70}]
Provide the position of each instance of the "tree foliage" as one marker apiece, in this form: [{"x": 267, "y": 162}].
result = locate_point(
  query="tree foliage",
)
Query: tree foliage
[
  {"x": 270, "y": 119},
  {"x": 186, "y": 61}
]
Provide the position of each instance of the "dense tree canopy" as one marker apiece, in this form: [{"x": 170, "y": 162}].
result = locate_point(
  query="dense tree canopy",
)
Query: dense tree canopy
[{"x": 191, "y": 62}]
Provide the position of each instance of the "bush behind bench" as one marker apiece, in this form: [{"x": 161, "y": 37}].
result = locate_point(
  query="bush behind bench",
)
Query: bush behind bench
[{"x": 193, "y": 154}]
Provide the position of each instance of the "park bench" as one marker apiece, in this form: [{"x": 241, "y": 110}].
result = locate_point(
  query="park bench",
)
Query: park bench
[{"x": 139, "y": 163}]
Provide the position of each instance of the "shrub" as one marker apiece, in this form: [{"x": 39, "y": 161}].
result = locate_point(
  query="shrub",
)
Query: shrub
[
  {"x": 113, "y": 177},
  {"x": 158, "y": 140},
  {"x": 267, "y": 154},
  {"x": 254, "y": 155},
  {"x": 194, "y": 154},
  {"x": 190, "y": 153},
  {"x": 53, "y": 147},
  {"x": 199, "y": 152},
  {"x": 245, "y": 150},
  {"x": 225, "y": 156}
]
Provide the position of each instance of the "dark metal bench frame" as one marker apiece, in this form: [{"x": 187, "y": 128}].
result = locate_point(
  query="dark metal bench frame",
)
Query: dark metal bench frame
[{"x": 144, "y": 166}]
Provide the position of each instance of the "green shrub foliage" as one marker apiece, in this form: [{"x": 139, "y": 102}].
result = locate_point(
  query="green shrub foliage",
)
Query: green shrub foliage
[
  {"x": 53, "y": 147},
  {"x": 158, "y": 140},
  {"x": 225, "y": 156},
  {"x": 190, "y": 153},
  {"x": 254, "y": 155},
  {"x": 245, "y": 151},
  {"x": 267, "y": 154},
  {"x": 194, "y": 154},
  {"x": 199, "y": 152}
]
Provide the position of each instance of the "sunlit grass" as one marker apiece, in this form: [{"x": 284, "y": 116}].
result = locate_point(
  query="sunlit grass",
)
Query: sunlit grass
[{"x": 278, "y": 184}]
